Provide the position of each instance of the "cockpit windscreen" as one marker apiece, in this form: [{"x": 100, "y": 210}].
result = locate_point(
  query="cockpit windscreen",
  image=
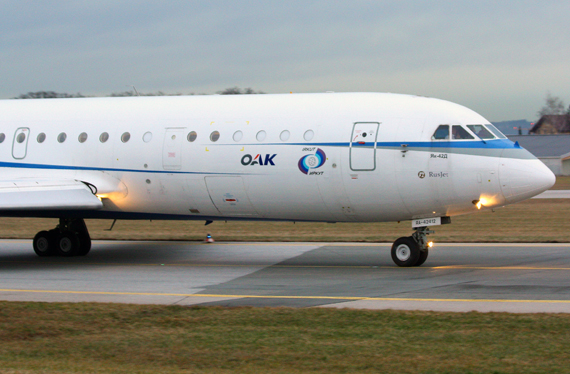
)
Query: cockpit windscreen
[
  {"x": 481, "y": 131},
  {"x": 457, "y": 132},
  {"x": 496, "y": 131}
]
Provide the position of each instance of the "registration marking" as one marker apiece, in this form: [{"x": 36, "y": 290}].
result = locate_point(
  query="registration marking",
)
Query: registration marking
[{"x": 423, "y": 222}]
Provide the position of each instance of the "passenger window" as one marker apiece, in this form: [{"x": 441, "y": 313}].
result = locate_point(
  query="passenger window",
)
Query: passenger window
[
  {"x": 2, "y": 137},
  {"x": 21, "y": 137},
  {"x": 441, "y": 133},
  {"x": 308, "y": 135},
  {"x": 104, "y": 137},
  {"x": 61, "y": 137},
  {"x": 214, "y": 136},
  {"x": 481, "y": 131},
  {"x": 285, "y": 134},
  {"x": 147, "y": 137},
  {"x": 125, "y": 137},
  {"x": 82, "y": 137},
  {"x": 192, "y": 135},
  {"x": 41, "y": 137},
  {"x": 238, "y": 135},
  {"x": 261, "y": 136},
  {"x": 458, "y": 132}
]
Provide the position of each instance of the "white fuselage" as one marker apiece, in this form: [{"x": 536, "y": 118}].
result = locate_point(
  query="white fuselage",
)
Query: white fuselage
[{"x": 314, "y": 157}]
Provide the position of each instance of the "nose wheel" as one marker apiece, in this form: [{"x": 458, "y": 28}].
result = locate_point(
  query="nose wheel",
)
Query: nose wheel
[
  {"x": 412, "y": 250},
  {"x": 69, "y": 238}
]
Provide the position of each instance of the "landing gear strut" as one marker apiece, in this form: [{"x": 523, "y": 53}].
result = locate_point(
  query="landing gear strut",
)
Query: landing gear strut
[
  {"x": 412, "y": 250},
  {"x": 69, "y": 238}
]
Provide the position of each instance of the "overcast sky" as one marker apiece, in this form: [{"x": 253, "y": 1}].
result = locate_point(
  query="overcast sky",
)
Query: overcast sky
[{"x": 499, "y": 58}]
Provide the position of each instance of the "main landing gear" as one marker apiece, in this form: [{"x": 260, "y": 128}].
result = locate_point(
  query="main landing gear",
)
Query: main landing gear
[
  {"x": 412, "y": 250},
  {"x": 69, "y": 238}
]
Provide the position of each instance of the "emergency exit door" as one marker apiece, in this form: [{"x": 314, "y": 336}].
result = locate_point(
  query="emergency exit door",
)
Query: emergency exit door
[{"x": 363, "y": 146}]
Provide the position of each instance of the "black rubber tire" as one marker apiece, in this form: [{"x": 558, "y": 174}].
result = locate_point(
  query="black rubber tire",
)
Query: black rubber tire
[
  {"x": 423, "y": 257},
  {"x": 405, "y": 252},
  {"x": 67, "y": 244},
  {"x": 84, "y": 245},
  {"x": 44, "y": 244}
]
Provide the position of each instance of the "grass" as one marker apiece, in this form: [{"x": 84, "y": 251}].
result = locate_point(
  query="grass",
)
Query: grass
[
  {"x": 562, "y": 183},
  {"x": 81, "y": 338}
]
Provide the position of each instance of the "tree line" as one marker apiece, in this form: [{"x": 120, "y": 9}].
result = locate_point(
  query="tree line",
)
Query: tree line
[{"x": 133, "y": 92}]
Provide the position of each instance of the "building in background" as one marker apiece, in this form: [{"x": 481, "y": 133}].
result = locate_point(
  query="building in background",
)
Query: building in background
[{"x": 551, "y": 124}]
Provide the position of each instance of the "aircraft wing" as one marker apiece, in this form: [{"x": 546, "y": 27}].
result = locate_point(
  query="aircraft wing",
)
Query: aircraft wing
[{"x": 46, "y": 194}]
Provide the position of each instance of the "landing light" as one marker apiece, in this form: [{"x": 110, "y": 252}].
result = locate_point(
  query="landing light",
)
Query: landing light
[{"x": 430, "y": 244}]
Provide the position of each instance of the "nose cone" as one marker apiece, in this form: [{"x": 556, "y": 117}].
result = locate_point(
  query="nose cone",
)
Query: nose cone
[{"x": 522, "y": 179}]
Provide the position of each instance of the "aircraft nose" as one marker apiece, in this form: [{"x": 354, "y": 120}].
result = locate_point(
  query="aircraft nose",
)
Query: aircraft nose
[{"x": 522, "y": 179}]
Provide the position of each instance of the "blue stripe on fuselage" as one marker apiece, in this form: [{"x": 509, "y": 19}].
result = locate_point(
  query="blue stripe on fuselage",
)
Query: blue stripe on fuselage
[
  {"x": 494, "y": 144},
  {"x": 445, "y": 144}
]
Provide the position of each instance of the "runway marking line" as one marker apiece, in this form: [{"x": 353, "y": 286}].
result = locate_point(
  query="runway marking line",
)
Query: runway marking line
[
  {"x": 350, "y": 298},
  {"x": 469, "y": 267}
]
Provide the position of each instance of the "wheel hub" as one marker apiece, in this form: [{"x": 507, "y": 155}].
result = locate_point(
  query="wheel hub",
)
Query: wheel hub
[
  {"x": 42, "y": 244},
  {"x": 403, "y": 252},
  {"x": 65, "y": 245}
]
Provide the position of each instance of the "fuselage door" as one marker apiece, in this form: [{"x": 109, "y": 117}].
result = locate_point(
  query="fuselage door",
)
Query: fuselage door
[
  {"x": 229, "y": 196},
  {"x": 20, "y": 144},
  {"x": 363, "y": 146},
  {"x": 172, "y": 148}
]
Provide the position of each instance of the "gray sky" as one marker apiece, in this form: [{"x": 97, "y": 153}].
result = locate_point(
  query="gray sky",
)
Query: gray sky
[{"x": 499, "y": 58}]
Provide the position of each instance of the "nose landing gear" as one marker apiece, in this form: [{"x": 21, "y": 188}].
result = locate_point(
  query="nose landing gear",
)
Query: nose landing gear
[
  {"x": 412, "y": 250},
  {"x": 69, "y": 238}
]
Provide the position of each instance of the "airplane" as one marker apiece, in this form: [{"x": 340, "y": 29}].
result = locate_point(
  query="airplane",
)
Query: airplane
[{"x": 326, "y": 157}]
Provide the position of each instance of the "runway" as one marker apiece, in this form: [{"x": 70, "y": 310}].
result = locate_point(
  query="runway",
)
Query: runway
[{"x": 456, "y": 277}]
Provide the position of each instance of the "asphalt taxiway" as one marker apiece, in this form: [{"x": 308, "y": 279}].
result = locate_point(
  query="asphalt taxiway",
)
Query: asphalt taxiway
[{"x": 456, "y": 277}]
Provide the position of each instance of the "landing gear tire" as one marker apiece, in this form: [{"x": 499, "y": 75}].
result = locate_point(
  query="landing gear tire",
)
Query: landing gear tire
[
  {"x": 406, "y": 252},
  {"x": 423, "y": 257},
  {"x": 69, "y": 238},
  {"x": 68, "y": 244},
  {"x": 84, "y": 245},
  {"x": 44, "y": 244}
]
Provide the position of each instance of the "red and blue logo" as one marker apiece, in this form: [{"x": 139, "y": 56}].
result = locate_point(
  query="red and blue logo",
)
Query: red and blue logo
[{"x": 315, "y": 161}]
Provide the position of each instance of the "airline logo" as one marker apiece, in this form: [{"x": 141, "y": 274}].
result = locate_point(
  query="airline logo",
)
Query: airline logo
[
  {"x": 312, "y": 161},
  {"x": 259, "y": 159}
]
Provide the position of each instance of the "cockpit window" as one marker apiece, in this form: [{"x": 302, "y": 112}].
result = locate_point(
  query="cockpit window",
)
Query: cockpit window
[
  {"x": 496, "y": 131},
  {"x": 458, "y": 132},
  {"x": 481, "y": 131},
  {"x": 441, "y": 133}
]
